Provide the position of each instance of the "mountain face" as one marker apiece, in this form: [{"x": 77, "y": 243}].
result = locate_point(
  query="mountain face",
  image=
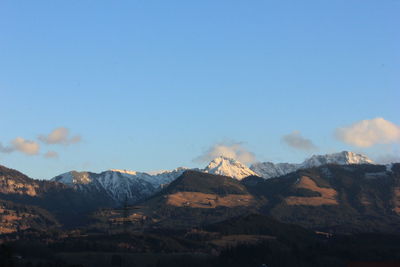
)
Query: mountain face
[
  {"x": 119, "y": 185},
  {"x": 269, "y": 169},
  {"x": 14, "y": 182},
  {"x": 16, "y": 217},
  {"x": 338, "y": 198},
  {"x": 342, "y": 158},
  {"x": 228, "y": 167}
]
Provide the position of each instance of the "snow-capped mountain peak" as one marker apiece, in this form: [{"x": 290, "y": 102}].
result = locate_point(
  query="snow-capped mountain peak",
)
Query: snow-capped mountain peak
[
  {"x": 228, "y": 167},
  {"x": 342, "y": 158},
  {"x": 269, "y": 169}
]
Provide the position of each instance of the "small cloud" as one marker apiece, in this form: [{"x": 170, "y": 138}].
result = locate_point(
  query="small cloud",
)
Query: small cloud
[
  {"x": 234, "y": 150},
  {"x": 297, "y": 141},
  {"x": 6, "y": 149},
  {"x": 367, "y": 133},
  {"x": 59, "y": 136},
  {"x": 51, "y": 155},
  {"x": 27, "y": 147},
  {"x": 75, "y": 139}
]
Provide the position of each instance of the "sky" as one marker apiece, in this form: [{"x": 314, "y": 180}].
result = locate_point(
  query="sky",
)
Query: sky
[{"x": 150, "y": 85}]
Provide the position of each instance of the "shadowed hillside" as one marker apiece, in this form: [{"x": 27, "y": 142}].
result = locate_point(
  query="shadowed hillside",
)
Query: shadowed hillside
[{"x": 354, "y": 198}]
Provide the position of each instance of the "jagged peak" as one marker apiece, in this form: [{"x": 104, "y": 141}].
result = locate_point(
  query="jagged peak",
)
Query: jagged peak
[
  {"x": 344, "y": 157},
  {"x": 225, "y": 160},
  {"x": 228, "y": 167},
  {"x": 222, "y": 161},
  {"x": 269, "y": 169},
  {"x": 356, "y": 157}
]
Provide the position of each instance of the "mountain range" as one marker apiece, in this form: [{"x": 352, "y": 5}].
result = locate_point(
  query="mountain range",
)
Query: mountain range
[
  {"x": 329, "y": 198},
  {"x": 122, "y": 185},
  {"x": 269, "y": 169},
  {"x": 119, "y": 185},
  {"x": 335, "y": 192}
]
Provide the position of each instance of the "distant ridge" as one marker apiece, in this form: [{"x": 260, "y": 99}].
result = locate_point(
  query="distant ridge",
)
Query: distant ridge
[{"x": 269, "y": 169}]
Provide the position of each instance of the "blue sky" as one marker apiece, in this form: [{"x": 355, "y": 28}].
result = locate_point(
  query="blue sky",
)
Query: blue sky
[{"x": 151, "y": 85}]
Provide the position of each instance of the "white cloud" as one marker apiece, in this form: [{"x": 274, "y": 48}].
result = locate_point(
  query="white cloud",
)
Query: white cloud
[
  {"x": 234, "y": 150},
  {"x": 51, "y": 155},
  {"x": 297, "y": 141},
  {"x": 27, "y": 147},
  {"x": 59, "y": 136},
  {"x": 367, "y": 133}
]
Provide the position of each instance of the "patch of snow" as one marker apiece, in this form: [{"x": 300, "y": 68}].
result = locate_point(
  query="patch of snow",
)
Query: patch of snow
[{"x": 73, "y": 177}]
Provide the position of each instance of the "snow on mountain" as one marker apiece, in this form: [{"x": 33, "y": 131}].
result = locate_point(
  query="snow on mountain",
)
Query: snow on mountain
[
  {"x": 163, "y": 177},
  {"x": 269, "y": 169},
  {"x": 342, "y": 158},
  {"x": 119, "y": 185},
  {"x": 125, "y": 171},
  {"x": 73, "y": 177},
  {"x": 228, "y": 167}
]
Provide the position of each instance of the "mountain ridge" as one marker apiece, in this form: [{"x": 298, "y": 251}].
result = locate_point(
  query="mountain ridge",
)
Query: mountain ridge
[
  {"x": 324, "y": 197},
  {"x": 269, "y": 169},
  {"x": 133, "y": 186}
]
